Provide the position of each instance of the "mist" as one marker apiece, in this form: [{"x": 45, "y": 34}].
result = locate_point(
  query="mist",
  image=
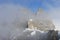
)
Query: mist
[
  {"x": 54, "y": 13},
  {"x": 13, "y": 20}
]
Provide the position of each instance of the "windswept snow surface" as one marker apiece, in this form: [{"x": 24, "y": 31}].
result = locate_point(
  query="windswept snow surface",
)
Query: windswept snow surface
[{"x": 29, "y": 34}]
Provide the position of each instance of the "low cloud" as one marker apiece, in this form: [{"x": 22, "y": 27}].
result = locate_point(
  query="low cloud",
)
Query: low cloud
[
  {"x": 13, "y": 20},
  {"x": 55, "y": 15}
]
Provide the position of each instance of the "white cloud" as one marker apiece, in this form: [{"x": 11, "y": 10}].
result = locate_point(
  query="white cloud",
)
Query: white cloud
[
  {"x": 13, "y": 17},
  {"x": 54, "y": 13}
]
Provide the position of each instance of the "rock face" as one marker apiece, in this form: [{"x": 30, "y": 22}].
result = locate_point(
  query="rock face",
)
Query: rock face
[
  {"x": 41, "y": 22},
  {"x": 42, "y": 25}
]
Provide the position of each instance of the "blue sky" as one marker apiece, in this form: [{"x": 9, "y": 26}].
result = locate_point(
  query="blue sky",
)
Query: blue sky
[{"x": 31, "y": 4}]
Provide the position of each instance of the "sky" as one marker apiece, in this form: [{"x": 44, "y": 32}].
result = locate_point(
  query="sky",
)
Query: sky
[
  {"x": 31, "y": 4},
  {"x": 11, "y": 9}
]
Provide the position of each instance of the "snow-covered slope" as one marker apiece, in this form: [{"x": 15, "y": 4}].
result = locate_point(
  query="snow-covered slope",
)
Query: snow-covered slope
[{"x": 29, "y": 34}]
